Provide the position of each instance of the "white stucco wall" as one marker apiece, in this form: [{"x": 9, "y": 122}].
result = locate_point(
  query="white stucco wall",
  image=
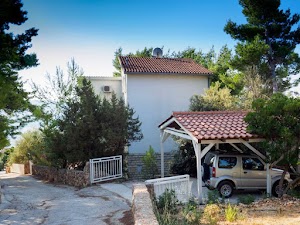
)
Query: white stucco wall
[
  {"x": 154, "y": 98},
  {"x": 114, "y": 82}
]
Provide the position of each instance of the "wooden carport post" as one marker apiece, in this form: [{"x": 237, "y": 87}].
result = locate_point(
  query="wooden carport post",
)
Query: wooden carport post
[
  {"x": 163, "y": 138},
  {"x": 197, "y": 148}
]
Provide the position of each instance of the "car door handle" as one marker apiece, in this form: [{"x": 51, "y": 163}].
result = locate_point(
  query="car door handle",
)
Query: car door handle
[{"x": 245, "y": 172}]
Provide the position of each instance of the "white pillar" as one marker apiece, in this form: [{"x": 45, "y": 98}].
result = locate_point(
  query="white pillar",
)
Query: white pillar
[
  {"x": 197, "y": 148},
  {"x": 162, "y": 156},
  {"x": 269, "y": 183}
]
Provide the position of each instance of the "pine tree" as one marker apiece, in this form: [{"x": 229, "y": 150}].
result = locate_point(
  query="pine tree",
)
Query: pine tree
[{"x": 268, "y": 40}]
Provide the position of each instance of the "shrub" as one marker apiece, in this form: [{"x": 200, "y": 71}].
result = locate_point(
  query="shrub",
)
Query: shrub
[
  {"x": 29, "y": 147},
  {"x": 246, "y": 199},
  {"x": 167, "y": 202},
  {"x": 4, "y": 157},
  {"x": 231, "y": 213},
  {"x": 185, "y": 160},
  {"x": 213, "y": 197},
  {"x": 192, "y": 213},
  {"x": 212, "y": 213},
  {"x": 150, "y": 168}
]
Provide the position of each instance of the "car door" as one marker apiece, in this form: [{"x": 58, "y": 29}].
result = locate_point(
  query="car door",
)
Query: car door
[{"x": 253, "y": 173}]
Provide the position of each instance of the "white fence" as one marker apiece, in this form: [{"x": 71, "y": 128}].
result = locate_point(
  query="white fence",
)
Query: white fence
[
  {"x": 180, "y": 184},
  {"x": 106, "y": 168}
]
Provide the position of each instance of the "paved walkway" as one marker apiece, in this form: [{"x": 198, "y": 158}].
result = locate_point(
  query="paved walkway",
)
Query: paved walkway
[{"x": 26, "y": 200}]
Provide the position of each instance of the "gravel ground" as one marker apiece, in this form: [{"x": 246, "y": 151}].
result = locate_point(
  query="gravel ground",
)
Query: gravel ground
[{"x": 26, "y": 200}]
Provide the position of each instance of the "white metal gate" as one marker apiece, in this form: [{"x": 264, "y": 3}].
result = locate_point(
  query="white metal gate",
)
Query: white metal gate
[
  {"x": 106, "y": 168},
  {"x": 180, "y": 184}
]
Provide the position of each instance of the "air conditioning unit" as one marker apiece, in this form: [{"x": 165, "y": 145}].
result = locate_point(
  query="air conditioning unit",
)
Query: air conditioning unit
[{"x": 106, "y": 89}]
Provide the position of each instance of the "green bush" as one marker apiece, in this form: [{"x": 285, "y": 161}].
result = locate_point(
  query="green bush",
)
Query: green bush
[
  {"x": 246, "y": 199},
  {"x": 4, "y": 157},
  {"x": 150, "y": 167},
  {"x": 167, "y": 202},
  {"x": 185, "y": 160},
  {"x": 29, "y": 147},
  {"x": 191, "y": 213},
  {"x": 213, "y": 197}
]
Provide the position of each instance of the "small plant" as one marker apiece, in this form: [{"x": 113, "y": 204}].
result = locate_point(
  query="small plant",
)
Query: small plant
[
  {"x": 231, "y": 213},
  {"x": 150, "y": 167},
  {"x": 246, "y": 199},
  {"x": 213, "y": 197},
  {"x": 167, "y": 202},
  {"x": 192, "y": 213},
  {"x": 212, "y": 213}
]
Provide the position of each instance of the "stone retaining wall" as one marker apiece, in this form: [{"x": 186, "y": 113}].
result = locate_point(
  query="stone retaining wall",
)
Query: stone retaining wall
[
  {"x": 135, "y": 164},
  {"x": 142, "y": 208},
  {"x": 74, "y": 178}
]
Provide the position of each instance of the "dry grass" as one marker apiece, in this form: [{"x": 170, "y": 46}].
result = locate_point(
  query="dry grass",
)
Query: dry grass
[{"x": 285, "y": 211}]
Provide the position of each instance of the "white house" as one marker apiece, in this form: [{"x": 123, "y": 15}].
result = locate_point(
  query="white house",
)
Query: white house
[{"x": 155, "y": 87}]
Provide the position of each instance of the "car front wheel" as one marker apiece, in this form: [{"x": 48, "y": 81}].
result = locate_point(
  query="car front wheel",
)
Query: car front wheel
[
  {"x": 276, "y": 189},
  {"x": 225, "y": 189}
]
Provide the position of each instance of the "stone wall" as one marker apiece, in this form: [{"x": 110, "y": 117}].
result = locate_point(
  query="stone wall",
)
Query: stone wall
[
  {"x": 142, "y": 208},
  {"x": 74, "y": 178},
  {"x": 135, "y": 164}
]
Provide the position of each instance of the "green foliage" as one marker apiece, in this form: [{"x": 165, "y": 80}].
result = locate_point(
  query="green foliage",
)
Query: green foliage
[
  {"x": 167, "y": 202},
  {"x": 149, "y": 160},
  {"x": 29, "y": 147},
  {"x": 14, "y": 100},
  {"x": 192, "y": 213},
  {"x": 185, "y": 160},
  {"x": 267, "y": 41},
  {"x": 212, "y": 213},
  {"x": 214, "y": 98},
  {"x": 4, "y": 157},
  {"x": 278, "y": 120},
  {"x": 213, "y": 197},
  {"x": 246, "y": 199},
  {"x": 59, "y": 89},
  {"x": 90, "y": 127},
  {"x": 231, "y": 213}
]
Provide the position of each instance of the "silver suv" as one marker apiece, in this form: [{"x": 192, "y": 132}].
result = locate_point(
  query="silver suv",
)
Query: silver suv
[{"x": 228, "y": 171}]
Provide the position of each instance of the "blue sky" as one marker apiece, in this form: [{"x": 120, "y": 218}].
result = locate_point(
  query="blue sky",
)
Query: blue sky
[{"x": 91, "y": 30}]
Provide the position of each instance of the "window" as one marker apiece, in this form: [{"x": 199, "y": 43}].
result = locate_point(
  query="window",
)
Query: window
[
  {"x": 252, "y": 164},
  {"x": 227, "y": 162}
]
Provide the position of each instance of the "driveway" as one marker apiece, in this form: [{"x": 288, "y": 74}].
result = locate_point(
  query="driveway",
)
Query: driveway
[{"x": 26, "y": 200}]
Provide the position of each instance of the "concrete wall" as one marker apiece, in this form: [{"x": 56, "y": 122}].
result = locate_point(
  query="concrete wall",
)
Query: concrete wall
[
  {"x": 20, "y": 168},
  {"x": 74, "y": 178},
  {"x": 154, "y": 98},
  {"x": 135, "y": 165},
  {"x": 114, "y": 82}
]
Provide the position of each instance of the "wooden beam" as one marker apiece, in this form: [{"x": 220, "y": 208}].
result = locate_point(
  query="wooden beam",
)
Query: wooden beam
[
  {"x": 236, "y": 147},
  {"x": 206, "y": 149},
  {"x": 178, "y": 134},
  {"x": 253, "y": 149}
]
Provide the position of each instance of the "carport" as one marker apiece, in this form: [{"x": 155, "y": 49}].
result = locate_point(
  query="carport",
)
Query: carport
[{"x": 207, "y": 130}]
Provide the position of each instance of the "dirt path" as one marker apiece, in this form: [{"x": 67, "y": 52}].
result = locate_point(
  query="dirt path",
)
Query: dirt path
[{"x": 26, "y": 200}]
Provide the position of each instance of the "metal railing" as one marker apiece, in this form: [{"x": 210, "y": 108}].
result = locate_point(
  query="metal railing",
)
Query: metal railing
[
  {"x": 180, "y": 184},
  {"x": 106, "y": 168}
]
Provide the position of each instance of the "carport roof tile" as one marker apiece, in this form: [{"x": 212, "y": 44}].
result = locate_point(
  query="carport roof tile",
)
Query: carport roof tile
[{"x": 214, "y": 124}]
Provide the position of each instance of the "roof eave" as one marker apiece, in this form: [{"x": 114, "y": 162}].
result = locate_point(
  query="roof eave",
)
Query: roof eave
[{"x": 148, "y": 73}]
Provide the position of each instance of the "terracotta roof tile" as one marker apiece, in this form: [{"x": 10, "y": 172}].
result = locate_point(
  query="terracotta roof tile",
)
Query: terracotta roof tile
[
  {"x": 215, "y": 124},
  {"x": 162, "y": 65}
]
